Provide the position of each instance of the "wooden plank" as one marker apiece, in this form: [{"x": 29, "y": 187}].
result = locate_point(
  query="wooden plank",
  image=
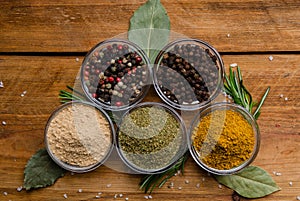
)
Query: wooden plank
[
  {"x": 43, "y": 77},
  {"x": 76, "y": 26}
]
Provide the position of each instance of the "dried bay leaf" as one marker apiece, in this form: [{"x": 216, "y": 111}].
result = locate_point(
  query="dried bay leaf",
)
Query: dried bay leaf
[
  {"x": 150, "y": 28},
  {"x": 251, "y": 182},
  {"x": 41, "y": 171}
]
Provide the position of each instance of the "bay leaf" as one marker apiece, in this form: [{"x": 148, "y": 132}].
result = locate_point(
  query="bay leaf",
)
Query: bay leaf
[
  {"x": 150, "y": 28},
  {"x": 41, "y": 171},
  {"x": 251, "y": 182}
]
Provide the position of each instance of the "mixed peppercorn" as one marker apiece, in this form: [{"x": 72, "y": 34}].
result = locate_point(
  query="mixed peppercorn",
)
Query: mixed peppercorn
[{"x": 115, "y": 75}]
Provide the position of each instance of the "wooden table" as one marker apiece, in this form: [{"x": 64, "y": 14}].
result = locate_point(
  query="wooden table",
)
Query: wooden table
[{"x": 42, "y": 44}]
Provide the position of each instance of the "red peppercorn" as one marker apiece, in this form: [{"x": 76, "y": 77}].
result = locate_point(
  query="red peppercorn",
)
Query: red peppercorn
[
  {"x": 97, "y": 71},
  {"x": 119, "y": 103},
  {"x": 118, "y": 79},
  {"x": 109, "y": 47},
  {"x": 87, "y": 67},
  {"x": 129, "y": 72},
  {"x": 86, "y": 73},
  {"x": 120, "y": 61},
  {"x": 120, "y": 47},
  {"x": 94, "y": 95},
  {"x": 138, "y": 59},
  {"x": 110, "y": 79}
]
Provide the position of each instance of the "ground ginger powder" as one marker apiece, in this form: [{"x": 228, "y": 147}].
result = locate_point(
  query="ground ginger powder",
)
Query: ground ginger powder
[
  {"x": 79, "y": 135},
  {"x": 223, "y": 139}
]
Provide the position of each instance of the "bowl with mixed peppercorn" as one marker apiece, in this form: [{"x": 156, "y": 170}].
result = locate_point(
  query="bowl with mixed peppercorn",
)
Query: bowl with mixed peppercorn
[{"x": 116, "y": 74}]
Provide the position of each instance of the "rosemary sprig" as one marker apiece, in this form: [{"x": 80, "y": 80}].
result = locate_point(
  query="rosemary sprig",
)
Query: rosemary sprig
[
  {"x": 234, "y": 87},
  {"x": 150, "y": 182}
]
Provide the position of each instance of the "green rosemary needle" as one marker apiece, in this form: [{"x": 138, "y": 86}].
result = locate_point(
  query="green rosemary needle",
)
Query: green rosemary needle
[
  {"x": 66, "y": 96},
  {"x": 150, "y": 182}
]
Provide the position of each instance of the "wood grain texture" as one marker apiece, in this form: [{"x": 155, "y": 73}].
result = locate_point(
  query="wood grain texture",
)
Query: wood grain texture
[
  {"x": 43, "y": 77},
  {"x": 76, "y": 26}
]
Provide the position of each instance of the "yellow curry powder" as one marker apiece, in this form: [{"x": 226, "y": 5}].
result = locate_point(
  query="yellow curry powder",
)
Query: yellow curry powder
[{"x": 224, "y": 139}]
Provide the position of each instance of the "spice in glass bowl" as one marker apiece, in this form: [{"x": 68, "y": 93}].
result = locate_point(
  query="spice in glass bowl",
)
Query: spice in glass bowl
[
  {"x": 188, "y": 74},
  {"x": 115, "y": 74},
  {"x": 79, "y": 136},
  {"x": 151, "y": 137},
  {"x": 224, "y": 138}
]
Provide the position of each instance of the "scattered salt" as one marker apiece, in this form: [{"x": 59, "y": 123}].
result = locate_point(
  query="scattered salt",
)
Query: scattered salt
[
  {"x": 233, "y": 65},
  {"x": 19, "y": 189},
  {"x": 80, "y": 190},
  {"x": 286, "y": 98},
  {"x": 220, "y": 186},
  {"x": 228, "y": 35},
  {"x": 126, "y": 199},
  {"x": 146, "y": 197},
  {"x": 271, "y": 58},
  {"x": 298, "y": 197},
  {"x": 281, "y": 95},
  {"x": 179, "y": 188},
  {"x": 116, "y": 195},
  {"x": 278, "y": 174},
  {"x": 77, "y": 59},
  {"x": 4, "y": 123},
  {"x": 5, "y": 193},
  {"x": 108, "y": 185},
  {"x": 291, "y": 183},
  {"x": 187, "y": 181},
  {"x": 120, "y": 195},
  {"x": 97, "y": 196},
  {"x": 150, "y": 196},
  {"x": 198, "y": 185},
  {"x": 65, "y": 196},
  {"x": 1, "y": 84}
]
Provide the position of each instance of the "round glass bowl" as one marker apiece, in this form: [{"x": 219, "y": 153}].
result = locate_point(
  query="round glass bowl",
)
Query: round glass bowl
[
  {"x": 151, "y": 137},
  {"x": 188, "y": 74},
  {"x": 79, "y": 136},
  {"x": 116, "y": 74},
  {"x": 224, "y": 138}
]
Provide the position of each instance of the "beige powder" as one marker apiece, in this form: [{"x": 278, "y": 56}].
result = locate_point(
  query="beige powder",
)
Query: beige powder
[{"x": 79, "y": 135}]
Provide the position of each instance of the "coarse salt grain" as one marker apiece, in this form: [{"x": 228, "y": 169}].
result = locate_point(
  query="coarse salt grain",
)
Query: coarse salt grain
[
  {"x": 233, "y": 65},
  {"x": 4, "y": 123},
  {"x": 286, "y": 98},
  {"x": 150, "y": 196},
  {"x": 1, "y": 84},
  {"x": 179, "y": 188},
  {"x": 271, "y": 58},
  {"x": 146, "y": 197},
  {"x": 120, "y": 195},
  {"x": 77, "y": 59},
  {"x": 228, "y": 35},
  {"x": 108, "y": 185},
  {"x": 19, "y": 189},
  {"x": 198, "y": 185},
  {"x": 298, "y": 197},
  {"x": 291, "y": 183},
  {"x": 278, "y": 174},
  {"x": 220, "y": 186},
  {"x": 80, "y": 190},
  {"x": 281, "y": 95},
  {"x": 5, "y": 193},
  {"x": 126, "y": 199},
  {"x": 97, "y": 196},
  {"x": 187, "y": 181},
  {"x": 65, "y": 196}
]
